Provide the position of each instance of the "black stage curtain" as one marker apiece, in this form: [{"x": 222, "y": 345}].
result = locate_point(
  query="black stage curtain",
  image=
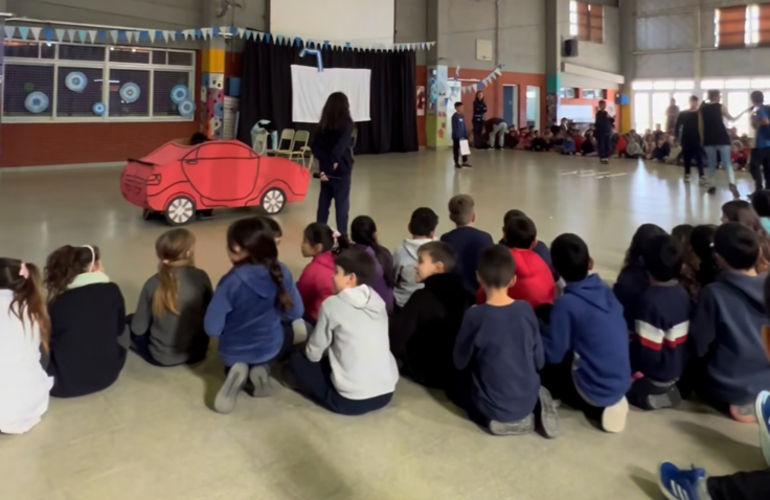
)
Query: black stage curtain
[{"x": 266, "y": 93}]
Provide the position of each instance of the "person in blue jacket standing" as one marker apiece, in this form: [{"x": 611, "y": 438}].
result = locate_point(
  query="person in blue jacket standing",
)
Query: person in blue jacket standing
[
  {"x": 459, "y": 132},
  {"x": 332, "y": 147}
]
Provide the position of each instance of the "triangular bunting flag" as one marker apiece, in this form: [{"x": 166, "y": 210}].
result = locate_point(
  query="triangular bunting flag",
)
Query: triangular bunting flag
[
  {"x": 198, "y": 33},
  {"x": 83, "y": 36},
  {"x": 206, "y": 32},
  {"x": 497, "y": 71},
  {"x": 92, "y": 34},
  {"x": 114, "y": 35},
  {"x": 279, "y": 39},
  {"x": 60, "y": 34},
  {"x": 72, "y": 34},
  {"x": 241, "y": 32},
  {"x": 24, "y": 32},
  {"x": 35, "y": 33},
  {"x": 216, "y": 32},
  {"x": 48, "y": 34},
  {"x": 103, "y": 36},
  {"x": 224, "y": 29},
  {"x": 267, "y": 36},
  {"x": 166, "y": 35},
  {"x": 9, "y": 31}
]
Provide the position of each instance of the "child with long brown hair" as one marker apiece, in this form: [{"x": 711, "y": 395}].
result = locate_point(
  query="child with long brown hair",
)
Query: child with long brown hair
[
  {"x": 315, "y": 283},
  {"x": 24, "y": 329},
  {"x": 742, "y": 212},
  {"x": 167, "y": 328},
  {"x": 88, "y": 314},
  {"x": 252, "y": 311}
]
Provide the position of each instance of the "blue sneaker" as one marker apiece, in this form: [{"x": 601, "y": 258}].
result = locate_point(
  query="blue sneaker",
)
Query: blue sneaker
[
  {"x": 679, "y": 484},
  {"x": 763, "y": 419}
]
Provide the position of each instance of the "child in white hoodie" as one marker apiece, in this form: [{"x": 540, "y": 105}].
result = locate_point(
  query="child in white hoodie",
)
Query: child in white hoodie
[
  {"x": 422, "y": 227},
  {"x": 24, "y": 328},
  {"x": 347, "y": 366}
]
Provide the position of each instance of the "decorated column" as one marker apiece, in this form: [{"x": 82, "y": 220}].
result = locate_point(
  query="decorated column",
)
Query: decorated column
[{"x": 212, "y": 106}]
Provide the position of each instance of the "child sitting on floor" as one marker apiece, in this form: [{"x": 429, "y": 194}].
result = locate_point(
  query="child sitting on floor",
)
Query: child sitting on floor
[
  {"x": 347, "y": 366},
  {"x": 659, "y": 321},
  {"x": 467, "y": 241},
  {"x": 24, "y": 330},
  {"x": 422, "y": 227},
  {"x": 760, "y": 201},
  {"x": 423, "y": 334},
  {"x": 538, "y": 246},
  {"x": 726, "y": 328},
  {"x": 499, "y": 353},
  {"x": 633, "y": 279},
  {"x": 251, "y": 312},
  {"x": 534, "y": 281},
  {"x": 315, "y": 283},
  {"x": 702, "y": 241},
  {"x": 167, "y": 327},
  {"x": 586, "y": 340},
  {"x": 88, "y": 314},
  {"x": 363, "y": 232}
]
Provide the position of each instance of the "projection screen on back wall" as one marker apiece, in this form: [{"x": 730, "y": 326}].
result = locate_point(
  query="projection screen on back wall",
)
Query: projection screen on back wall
[{"x": 358, "y": 21}]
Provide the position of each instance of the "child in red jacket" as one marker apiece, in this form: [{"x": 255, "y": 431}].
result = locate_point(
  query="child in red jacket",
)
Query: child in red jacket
[
  {"x": 315, "y": 284},
  {"x": 534, "y": 281}
]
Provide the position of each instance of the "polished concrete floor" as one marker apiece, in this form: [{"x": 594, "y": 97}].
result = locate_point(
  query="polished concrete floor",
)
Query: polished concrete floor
[{"x": 152, "y": 435}]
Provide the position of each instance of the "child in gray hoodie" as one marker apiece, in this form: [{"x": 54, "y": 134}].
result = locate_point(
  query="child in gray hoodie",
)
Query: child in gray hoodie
[
  {"x": 347, "y": 366},
  {"x": 422, "y": 227}
]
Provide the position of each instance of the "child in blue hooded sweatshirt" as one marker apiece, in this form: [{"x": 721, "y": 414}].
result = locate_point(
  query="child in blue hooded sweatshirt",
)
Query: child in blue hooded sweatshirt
[
  {"x": 252, "y": 311},
  {"x": 586, "y": 341}
]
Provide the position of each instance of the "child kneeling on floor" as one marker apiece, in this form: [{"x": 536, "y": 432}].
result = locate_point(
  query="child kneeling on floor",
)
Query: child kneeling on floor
[
  {"x": 498, "y": 354},
  {"x": 659, "y": 322},
  {"x": 252, "y": 311},
  {"x": 347, "y": 366},
  {"x": 423, "y": 334},
  {"x": 167, "y": 327},
  {"x": 586, "y": 340}
]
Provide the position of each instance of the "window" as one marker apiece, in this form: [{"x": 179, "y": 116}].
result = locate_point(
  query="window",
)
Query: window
[
  {"x": 58, "y": 82},
  {"x": 642, "y": 111},
  {"x": 742, "y": 26},
  {"x": 586, "y": 21}
]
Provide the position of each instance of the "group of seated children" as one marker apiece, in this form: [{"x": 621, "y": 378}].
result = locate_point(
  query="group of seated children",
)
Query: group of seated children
[{"x": 685, "y": 315}]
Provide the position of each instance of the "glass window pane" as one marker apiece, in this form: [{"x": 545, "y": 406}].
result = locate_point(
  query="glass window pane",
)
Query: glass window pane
[
  {"x": 20, "y": 82},
  {"x": 180, "y": 58},
  {"x": 159, "y": 57},
  {"x": 682, "y": 100},
  {"x": 742, "y": 83},
  {"x": 87, "y": 85},
  {"x": 641, "y": 85},
  {"x": 641, "y": 111},
  {"x": 81, "y": 52},
  {"x": 164, "y": 83},
  {"x": 663, "y": 85},
  {"x": 760, "y": 83},
  {"x": 48, "y": 51},
  {"x": 685, "y": 85},
  {"x": 660, "y": 104},
  {"x": 126, "y": 55},
  {"x": 712, "y": 84},
  {"x": 737, "y": 102},
  {"x": 131, "y": 106},
  {"x": 21, "y": 49}
]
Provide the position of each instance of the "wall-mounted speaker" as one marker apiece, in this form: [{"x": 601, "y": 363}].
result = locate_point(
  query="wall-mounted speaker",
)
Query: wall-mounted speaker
[{"x": 570, "y": 48}]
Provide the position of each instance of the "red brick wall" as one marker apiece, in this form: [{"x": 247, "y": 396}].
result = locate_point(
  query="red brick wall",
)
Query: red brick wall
[{"x": 33, "y": 144}]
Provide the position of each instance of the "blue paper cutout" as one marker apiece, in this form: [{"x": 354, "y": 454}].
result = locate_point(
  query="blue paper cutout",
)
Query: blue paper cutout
[
  {"x": 76, "y": 81},
  {"x": 99, "y": 109},
  {"x": 36, "y": 102},
  {"x": 180, "y": 93},
  {"x": 130, "y": 92},
  {"x": 317, "y": 54},
  {"x": 186, "y": 108}
]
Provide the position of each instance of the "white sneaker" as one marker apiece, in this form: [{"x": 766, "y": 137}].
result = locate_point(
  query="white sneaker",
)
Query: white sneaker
[
  {"x": 703, "y": 181},
  {"x": 687, "y": 178},
  {"x": 614, "y": 417},
  {"x": 763, "y": 419}
]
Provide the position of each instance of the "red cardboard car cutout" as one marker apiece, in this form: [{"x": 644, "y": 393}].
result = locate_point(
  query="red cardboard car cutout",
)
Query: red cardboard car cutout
[{"x": 178, "y": 180}]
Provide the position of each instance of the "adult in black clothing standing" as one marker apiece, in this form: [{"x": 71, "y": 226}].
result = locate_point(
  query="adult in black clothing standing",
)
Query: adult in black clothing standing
[
  {"x": 687, "y": 129},
  {"x": 716, "y": 140},
  {"x": 479, "y": 119},
  {"x": 603, "y": 132},
  {"x": 331, "y": 146}
]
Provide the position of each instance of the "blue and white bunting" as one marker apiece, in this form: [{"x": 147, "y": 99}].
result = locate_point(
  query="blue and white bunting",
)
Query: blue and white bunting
[
  {"x": 35, "y": 32},
  {"x": 9, "y": 31},
  {"x": 60, "y": 35}
]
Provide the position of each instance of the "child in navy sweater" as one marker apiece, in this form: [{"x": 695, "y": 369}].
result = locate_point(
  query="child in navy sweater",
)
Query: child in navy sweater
[
  {"x": 251, "y": 311},
  {"x": 499, "y": 353},
  {"x": 586, "y": 341},
  {"x": 467, "y": 241},
  {"x": 633, "y": 280},
  {"x": 659, "y": 321},
  {"x": 459, "y": 132},
  {"x": 726, "y": 329}
]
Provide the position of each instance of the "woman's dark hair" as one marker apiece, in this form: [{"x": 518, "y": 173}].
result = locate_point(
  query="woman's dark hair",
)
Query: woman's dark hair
[
  {"x": 482, "y": 96},
  {"x": 642, "y": 235},
  {"x": 64, "y": 264},
  {"x": 336, "y": 113},
  {"x": 27, "y": 295},
  {"x": 198, "y": 138},
  {"x": 702, "y": 241},
  {"x": 742, "y": 212},
  {"x": 760, "y": 200},
  {"x": 319, "y": 234},
  {"x": 255, "y": 238},
  {"x": 363, "y": 231},
  {"x": 690, "y": 261}
]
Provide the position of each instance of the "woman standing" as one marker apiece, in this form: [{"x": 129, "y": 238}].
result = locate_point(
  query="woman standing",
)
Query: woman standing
[
  {"x": 479, "y": 119},
  {"x": 331, "y": 146}
]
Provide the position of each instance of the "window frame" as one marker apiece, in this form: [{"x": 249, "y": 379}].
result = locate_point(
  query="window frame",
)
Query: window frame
[
  {"x": 580, "y": 21},
  {"x": 105, "y": 65}
]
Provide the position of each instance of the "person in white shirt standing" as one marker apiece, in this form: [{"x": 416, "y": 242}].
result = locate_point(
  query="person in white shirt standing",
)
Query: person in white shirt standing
[
  {"x": 347, "y": 366},
  {"x": 24, "y": 328}
]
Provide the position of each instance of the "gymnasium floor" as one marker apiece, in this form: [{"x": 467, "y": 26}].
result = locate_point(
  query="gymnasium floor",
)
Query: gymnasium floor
[{"x": 152, "y": 435}]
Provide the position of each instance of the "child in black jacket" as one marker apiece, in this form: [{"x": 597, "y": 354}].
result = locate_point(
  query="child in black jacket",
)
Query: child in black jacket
[{"x": 423, "y": 334}]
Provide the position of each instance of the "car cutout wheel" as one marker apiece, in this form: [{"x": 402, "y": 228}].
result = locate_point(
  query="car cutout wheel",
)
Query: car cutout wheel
[
  {"x": 180, "y": 211},
  {"x": 273, "y": 201}
]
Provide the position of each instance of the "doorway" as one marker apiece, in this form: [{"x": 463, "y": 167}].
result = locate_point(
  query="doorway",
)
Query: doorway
[
  {"x": 533, "y": 107},
  {"x": 511, "y": 105}
]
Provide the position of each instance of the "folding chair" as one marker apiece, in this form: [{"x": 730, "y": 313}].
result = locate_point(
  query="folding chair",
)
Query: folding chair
[
  {"x": 354, "y": 136},
  {"x": 260, "y": 143},
  {"x": 284, "y": 150},
  {"x": 301, "y": 148}
]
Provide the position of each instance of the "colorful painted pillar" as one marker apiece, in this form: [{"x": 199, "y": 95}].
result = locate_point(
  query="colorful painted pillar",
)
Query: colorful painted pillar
[
  {"x": 437, "y": 117},
  {"x": 212, "y": 108}
]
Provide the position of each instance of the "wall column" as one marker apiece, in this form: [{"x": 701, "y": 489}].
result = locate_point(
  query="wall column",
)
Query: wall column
[
  {"x": 437, "y": 134},
  {"x": 628, "y": 60},
  {"x": 556, "y": 12}
]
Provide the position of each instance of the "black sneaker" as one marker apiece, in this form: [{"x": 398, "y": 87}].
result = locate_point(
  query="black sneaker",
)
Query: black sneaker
[
  {"x": 712, "y": 190},
  {"x": 524, "y": 426},
  {"x": 458, "y": 166},
  {"x": 467, "y": 165},
  {"x": 670, "y": 399}
]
